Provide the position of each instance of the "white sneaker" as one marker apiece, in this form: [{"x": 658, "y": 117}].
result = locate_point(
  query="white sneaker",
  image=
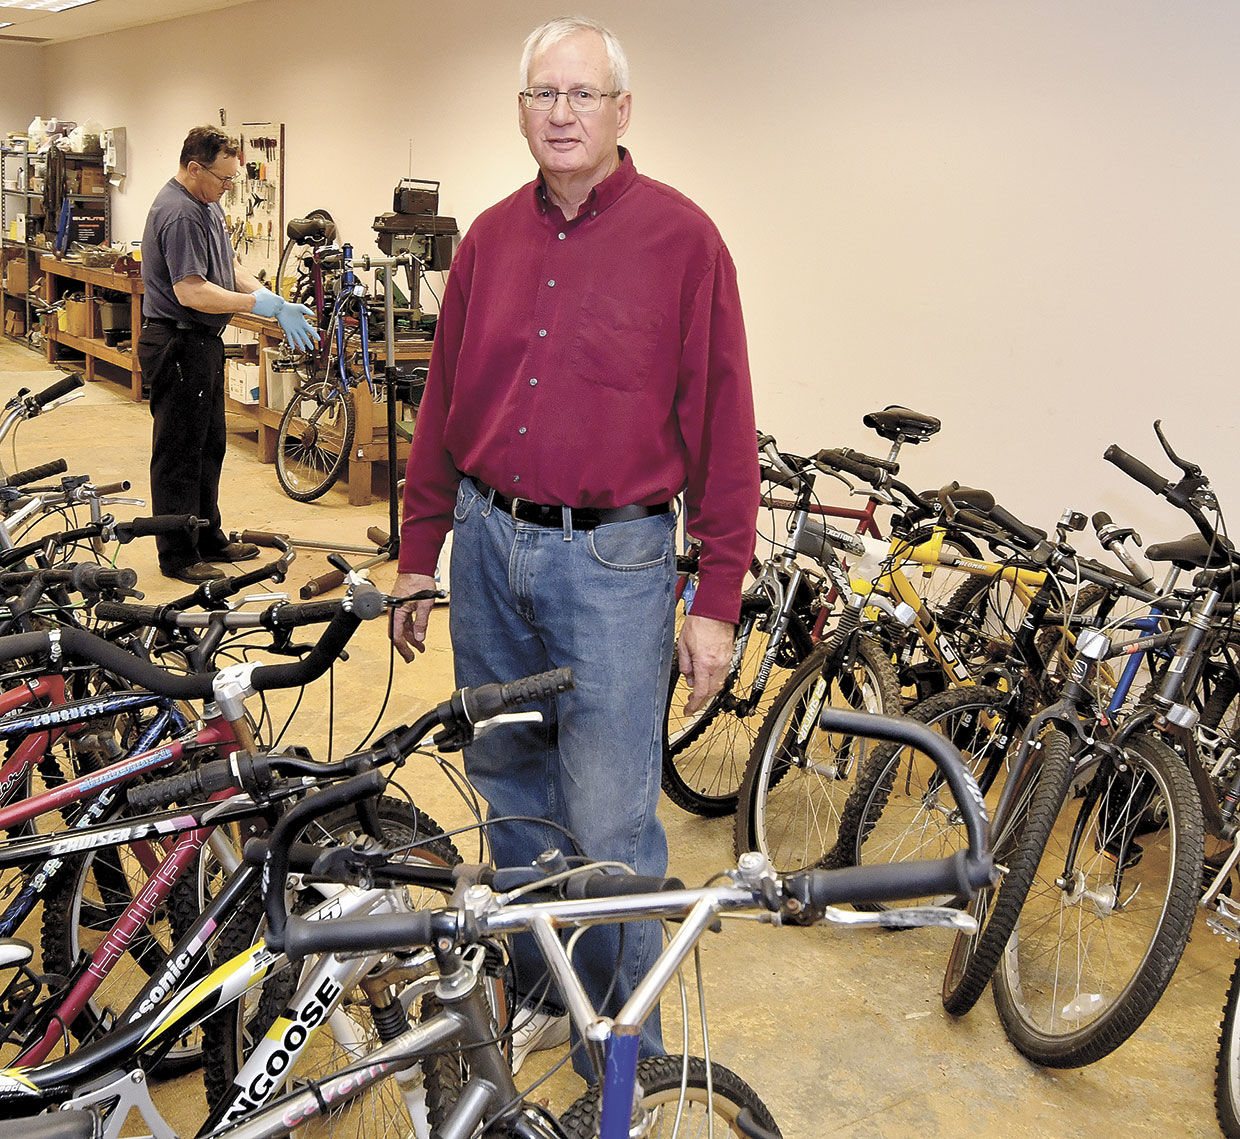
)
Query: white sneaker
[{"x": 536, "y": 1032}]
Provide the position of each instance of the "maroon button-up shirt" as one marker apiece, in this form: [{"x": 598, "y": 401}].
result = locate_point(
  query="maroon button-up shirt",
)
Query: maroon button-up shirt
[{"x": 600, "y": 362}]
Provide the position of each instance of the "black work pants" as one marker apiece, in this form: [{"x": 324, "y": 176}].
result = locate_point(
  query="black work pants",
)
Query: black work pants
[{"x": 185, "y": 370}]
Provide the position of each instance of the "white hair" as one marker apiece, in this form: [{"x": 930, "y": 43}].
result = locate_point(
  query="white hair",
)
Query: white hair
[{"x": 545, "y": 35}]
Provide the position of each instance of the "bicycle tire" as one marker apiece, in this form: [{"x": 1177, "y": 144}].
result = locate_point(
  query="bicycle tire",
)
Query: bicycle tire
[
  {"x": 1227, "y": 1069},
  {"x": 1084, "y": 967},
  {"x": 661, "y": 1079},
  {"x": 973, "y": 956},
  {"x": 900, "y": 808},
  {"x": 230, "y": 1034},
  {"x": 790, "y": 802},
  {"x": 314, "y": 439}
]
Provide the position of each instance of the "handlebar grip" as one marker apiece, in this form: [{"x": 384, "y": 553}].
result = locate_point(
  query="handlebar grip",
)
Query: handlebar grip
[
  {"x": 967, "y": 497},
  {"x": 263, "y": 538},
  {"x": 324, "y": 583},
  {"x": 1101, "y": 519},
  {"x": 769, "y": 474},
  {"x": 58, "y": 389},
  {"x": 488, "y": 700},
  {"x": 838, "y": 461},
  {"x": 958, "y": 875},
  {"x": 112, "y": 488},
  {"x": 37, "y": 474},
  {"x": 91, "y": 578},
  {"x": 122, "y": 611},
  {"x": 1024, "y": 534},
  {"x": 365, "y": 604},
  {"x": 186, "y": 787},
  {"x": 602, "y": 884},
  {"x": 1135, "y": 469},
  {"x": 888, "y": 465},
  {"x": 372, "y": 933},
  {"x": 158, "y": 524}
]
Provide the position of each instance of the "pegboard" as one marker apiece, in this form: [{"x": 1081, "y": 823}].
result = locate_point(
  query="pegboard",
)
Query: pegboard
[{"x": 254, "y": 207}]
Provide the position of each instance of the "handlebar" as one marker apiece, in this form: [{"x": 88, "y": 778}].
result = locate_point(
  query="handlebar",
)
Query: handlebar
[
  {"x": 57, "y": 390},
  {"x": 363, "y": 603},
  {"x": 622, "y": 899},
  {"x": 466, "y": 706}
]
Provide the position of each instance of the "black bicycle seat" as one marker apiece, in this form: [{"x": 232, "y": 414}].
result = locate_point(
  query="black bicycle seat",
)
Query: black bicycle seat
[
  {"x": 1192, "y": 552},
  {"x": 901, "y": 425}
]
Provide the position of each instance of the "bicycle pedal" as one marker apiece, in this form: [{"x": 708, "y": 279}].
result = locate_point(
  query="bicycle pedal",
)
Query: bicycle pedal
[{"x": 1224, "y": 918}]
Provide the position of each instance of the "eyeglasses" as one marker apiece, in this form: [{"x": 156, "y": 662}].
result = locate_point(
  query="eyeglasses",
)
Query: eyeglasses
[
  {"x": 230, "y": 180},
  {"x": 581, "y": 100}
]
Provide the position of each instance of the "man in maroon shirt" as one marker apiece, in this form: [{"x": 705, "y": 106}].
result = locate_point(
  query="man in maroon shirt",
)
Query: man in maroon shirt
[{"x": 589, "y": 367}]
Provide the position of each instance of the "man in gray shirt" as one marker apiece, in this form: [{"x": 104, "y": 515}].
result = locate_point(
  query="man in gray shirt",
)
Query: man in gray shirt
[{"x": 193, "y": 284}]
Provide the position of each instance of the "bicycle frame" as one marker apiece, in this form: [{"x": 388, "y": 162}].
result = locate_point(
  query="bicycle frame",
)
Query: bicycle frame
[{"x": 163, "y": 872}]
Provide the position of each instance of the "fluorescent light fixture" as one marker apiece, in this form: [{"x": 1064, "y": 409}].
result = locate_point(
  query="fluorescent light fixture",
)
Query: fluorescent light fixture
[{"x": 43, "y": 5}]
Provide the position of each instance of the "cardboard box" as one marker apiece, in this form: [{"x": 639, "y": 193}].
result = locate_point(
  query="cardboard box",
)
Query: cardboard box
[
  {"x": 16, "y": 275},
  {"x": 14, "y": 322},
  {"x": 242, "y": 381},
  {"x": 92, "y": 181},
  {"x": 74, "y": 322}
]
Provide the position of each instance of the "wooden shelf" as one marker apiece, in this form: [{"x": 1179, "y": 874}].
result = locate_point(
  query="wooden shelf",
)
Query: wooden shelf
[{"x": 92, "y": 346}]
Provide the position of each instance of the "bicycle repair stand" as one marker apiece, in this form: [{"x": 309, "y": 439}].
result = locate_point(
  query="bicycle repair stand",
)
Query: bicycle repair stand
[{"x": 385, "y": 547}]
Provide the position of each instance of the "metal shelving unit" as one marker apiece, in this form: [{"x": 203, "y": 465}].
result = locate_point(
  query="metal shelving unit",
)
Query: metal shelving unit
[
  {"x": 22, "y": 219},
  {"x": 19, "y": 218}
]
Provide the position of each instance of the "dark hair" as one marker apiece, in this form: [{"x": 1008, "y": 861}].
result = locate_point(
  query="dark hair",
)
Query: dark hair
[{"x": 205, "y": 144}]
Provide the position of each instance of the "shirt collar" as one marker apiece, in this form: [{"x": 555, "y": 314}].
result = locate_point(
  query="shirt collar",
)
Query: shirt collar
[{"x": 603, "y": 195}]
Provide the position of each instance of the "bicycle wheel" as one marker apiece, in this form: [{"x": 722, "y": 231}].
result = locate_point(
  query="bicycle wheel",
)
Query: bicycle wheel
[
  {"x": 700, "y": 1111},
  {"x": 1018, "y": 847},
  {"x": 313, "y": 439},
  {"x": 798, "y": 776},
  {"x": 1109, "y": 911},
  {"x": 704, "y": 754},
  {"x": 233, "y": 1033},
  {"x": 1227, "y": 1071},
  {"x": 901, "y": 809}
]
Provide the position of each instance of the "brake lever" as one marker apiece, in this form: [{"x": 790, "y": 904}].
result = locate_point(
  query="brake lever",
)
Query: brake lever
[
  {"x": 1191, "y": 470},
  {"x": 908, "y": 917}
]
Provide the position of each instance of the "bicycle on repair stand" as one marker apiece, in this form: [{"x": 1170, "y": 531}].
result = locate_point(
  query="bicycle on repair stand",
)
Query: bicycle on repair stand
[{"x": 317, "y": 426}]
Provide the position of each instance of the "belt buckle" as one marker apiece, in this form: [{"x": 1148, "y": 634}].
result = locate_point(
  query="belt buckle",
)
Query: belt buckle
[{"x": 516, "y": 505}]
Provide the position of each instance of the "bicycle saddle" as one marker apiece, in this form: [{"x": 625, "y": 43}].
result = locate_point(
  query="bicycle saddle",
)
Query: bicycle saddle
[
  {"x": 14, "y": 951},
  {"x": 1192, "y": 552},
  {"x": 901, "y": 425}
]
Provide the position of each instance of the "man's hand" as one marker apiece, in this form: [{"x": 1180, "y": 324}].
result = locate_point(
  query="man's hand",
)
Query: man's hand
[
  {"x": 705, "y": 654},
  {"x": 408, "y": 627}
]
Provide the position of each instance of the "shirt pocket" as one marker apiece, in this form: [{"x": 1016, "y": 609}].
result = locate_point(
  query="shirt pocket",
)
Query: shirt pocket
[{"x": 617, "y": 342}]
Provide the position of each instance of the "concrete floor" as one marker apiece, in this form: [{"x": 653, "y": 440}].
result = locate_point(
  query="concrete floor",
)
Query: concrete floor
[{"x": 841, "y": 1033}]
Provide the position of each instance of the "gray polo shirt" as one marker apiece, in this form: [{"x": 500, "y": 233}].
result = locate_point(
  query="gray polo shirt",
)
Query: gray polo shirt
[{"x": 184, "y": 238}]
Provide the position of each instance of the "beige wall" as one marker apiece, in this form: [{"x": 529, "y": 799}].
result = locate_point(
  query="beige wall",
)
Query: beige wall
[
  {"x": 21, "y": 85},
  {"x": 1020, "y": 216}
]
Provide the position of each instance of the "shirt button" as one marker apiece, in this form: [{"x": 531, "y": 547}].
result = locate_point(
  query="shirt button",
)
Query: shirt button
[
  {"x": 594, "y": 213},
  {"x": 542, "y": 332},
  {"x": 521, "y": 430},
  {"x": 533, "y": 382},
  {"x": 516, "y": 478},
  {"x": 561, "y": 236},
  {"x": 551, "y": 284}
]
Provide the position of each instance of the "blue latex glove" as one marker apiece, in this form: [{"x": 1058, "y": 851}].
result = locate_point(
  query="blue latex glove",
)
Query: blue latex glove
[{"x": 293, "y": 319}]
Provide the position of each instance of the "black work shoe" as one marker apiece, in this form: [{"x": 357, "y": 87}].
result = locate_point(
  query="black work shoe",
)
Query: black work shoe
[
  {"x": 193, "y": 574},
  {"x": 233, "y": 552}
]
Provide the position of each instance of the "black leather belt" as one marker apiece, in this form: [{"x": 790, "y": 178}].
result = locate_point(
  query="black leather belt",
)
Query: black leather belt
[
  {"x": 580, "y": 517},
  {"x": 183, "y": 325}
]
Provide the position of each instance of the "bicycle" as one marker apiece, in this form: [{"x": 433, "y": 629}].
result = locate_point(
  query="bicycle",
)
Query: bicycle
[
  {"x": 782, "y": 616},
  {"x": 316, "y": 428},
  {"x": 495, "y": 904}
]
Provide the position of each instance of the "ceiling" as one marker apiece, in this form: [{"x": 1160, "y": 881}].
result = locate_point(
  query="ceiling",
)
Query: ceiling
[{"x": 98, "y": 18}]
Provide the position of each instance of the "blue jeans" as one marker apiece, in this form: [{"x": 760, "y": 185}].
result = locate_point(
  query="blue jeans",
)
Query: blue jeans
[{"x": 527, "y": 598}]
